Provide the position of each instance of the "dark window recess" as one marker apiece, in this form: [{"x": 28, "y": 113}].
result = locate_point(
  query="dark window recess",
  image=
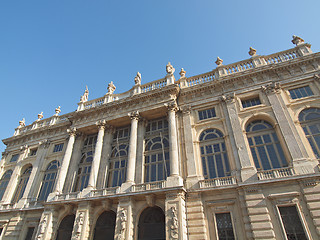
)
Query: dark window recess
[
  {"x": 301, "y": 92},
  {"x": 224, "y": 226},
  {"x": 58, "y": 147},
  {"x": 29, "y": 233},
  {"x": 33, "y": 152},
  {"x": 292, "y": 224},
  {"x": 251, "y": 102},
  {"x": 14, "y": 158},
  {"x": 208, "y": 113},
  {"x": 1, "y": 231}
]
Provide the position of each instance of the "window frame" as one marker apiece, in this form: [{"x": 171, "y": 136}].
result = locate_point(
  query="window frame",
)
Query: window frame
[
  {"x": 16, "y": 156},
  {"x": 249, "y": 98},
  {"x": 21, "y": 188},
  {"x": 3, "y": 179},
  {"x": 201, "y": 111},
  {"x": 298, "y": 89},
  {"x": 58, "y": 147}
]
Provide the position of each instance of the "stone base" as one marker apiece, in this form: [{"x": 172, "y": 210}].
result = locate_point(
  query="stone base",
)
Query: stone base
[
  {"x": 305, "y": 166},
  {"x": 249, "y": 174},
  {"x": 193, "y": 182},
  {"x": 174, "y": 181},
  {"x": 86, "y": 192},
  {"x": 126, "y": 187}
]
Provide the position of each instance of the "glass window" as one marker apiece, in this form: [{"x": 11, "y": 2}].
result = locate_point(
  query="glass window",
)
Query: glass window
[
  {"x": 58, "y": 147},
  {"x": 22, "y": 185},
  {"x": 265, "y": 146},
  {"x": 224, "y": 226},
  {"x": 4, "y": 182},
  {"x": 152, "y": 224},
  {"x": 48, "y": 181},
  {"x": 250, "y": 102},
  {"x": 310, "y": 122},
  {"x": 119, "y": 156},
  {"x": 84, "y": 169},
  {"x": 208, "y": 113},
  {"x": 214, "y": 156},
  {"x": 14, "y": 158},
  {"x": 156, "y": 163},
  {"x": 292, "y": 223},
  {"x": 300, "y": 92},
  {"x": 29, "y": 233},
  {"x": 33, "y": 152}
]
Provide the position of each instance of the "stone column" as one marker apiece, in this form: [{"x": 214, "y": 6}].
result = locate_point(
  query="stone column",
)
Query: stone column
[
  {"x": 289, "y": 132},
  {"x": 97, "y": 156},
  {"x": 140, "y": 151},
  {"x": 124, "y": 223},
  {"x": 176, "y": 227},
  {"x": 62, "y": 174},
  {"x": 237, "y": 138},
  {"x": 131, "y": 165}
]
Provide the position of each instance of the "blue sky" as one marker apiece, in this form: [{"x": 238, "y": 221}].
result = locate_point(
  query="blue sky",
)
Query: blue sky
[{"x": 50, "y": 50}]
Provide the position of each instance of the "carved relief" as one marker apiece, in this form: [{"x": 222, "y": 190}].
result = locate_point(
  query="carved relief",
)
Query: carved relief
[
  {"x": 78, "y": 226},
  {"x": 174, "y": 233},
  {"x": 123, "y": 223},
  {"x": 228, "y": 98},
  {"x": 271, "y": 88},
  {"x": 42, "y": 228}
]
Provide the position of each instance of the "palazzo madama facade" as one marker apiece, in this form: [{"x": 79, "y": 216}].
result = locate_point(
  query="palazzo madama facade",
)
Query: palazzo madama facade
[{"x": 229, "y": 154}]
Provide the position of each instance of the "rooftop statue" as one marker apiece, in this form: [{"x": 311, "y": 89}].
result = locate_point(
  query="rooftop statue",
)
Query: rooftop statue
[
  {"x": 111, "y": 88},
  {"x": 170, "y": 69},
  {"x": 85, "y": 96},
  {"x": 137, "y": 79}
]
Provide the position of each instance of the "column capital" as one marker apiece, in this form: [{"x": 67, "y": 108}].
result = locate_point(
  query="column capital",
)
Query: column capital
[
  {"x": 101, "y": 124},
  {"x": 44, "y": 144},
  {"x": 227, "y": 98},
  {"x": 134, "y": 115},
  {"x": 186, "y": 109},
  {"x": 72, "y": 131},
  {"x": 24, "y": 147},
  {"x": 274, "y": 87},
  {"x": 172, "y": 106}
]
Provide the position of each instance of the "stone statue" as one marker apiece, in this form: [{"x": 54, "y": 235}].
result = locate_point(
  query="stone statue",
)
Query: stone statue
[
  {"x": 40, "y": 116},
  {"x": 137, "y": 79},
  {"x": 22, "y": 123},
  {"x": 219, "y": 61},
  {"x": 58, "y": 110},
  {"x": 78, "y": 225},
  {"x": 85, "y": 96},
  {"x": 174, "y": 224},
  {"x": 182, "y": 73},
  {"x": 170, "y": 69},
  {"x": 297, "y": 40},
  {"x": 42, "y": 227},
  {"x": 123, "y": 223},
  {"x": 111, "y": 88}
]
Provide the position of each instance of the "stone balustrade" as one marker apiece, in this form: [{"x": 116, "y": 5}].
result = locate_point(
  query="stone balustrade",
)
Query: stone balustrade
[
  {"x": 104, "y": 192},
  {"x": 276, "y": 173},
  {"x": 148, "y": 186},
  {"x": 218, "y": 182}
]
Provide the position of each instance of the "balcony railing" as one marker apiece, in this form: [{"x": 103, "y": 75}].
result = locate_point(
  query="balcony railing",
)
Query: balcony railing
[
  {"x": 66, "y": 196},
  {"x": 104, "y": 192},
  {"x": 276, "y": 173},
  {"x": 148, "y": 186},
  {"x": 217, "y": 182}
]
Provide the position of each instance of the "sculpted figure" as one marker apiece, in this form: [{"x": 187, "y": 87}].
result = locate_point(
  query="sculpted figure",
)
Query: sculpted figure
[
  {"x": 123, "y": 223},
  {"x": 42, "y": 227},
  {"x": 174, "y": 224},
  {"x": 58, "y": 110},
  {"x": 111, "y": 88},
  {"x": 170, "y": 69},
  {"x": 22, "y": 123},
  {"x": 137, "y": 78},
  {"x": 85, "y": 96},
  {"x": 78, "y": 226}
]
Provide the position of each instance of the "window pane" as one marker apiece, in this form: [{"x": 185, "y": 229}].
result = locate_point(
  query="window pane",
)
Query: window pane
[{"x": 224, "y": 226}]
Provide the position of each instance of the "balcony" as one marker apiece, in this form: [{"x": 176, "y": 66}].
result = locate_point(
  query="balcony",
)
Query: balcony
[{"x": 276, "y": 173}]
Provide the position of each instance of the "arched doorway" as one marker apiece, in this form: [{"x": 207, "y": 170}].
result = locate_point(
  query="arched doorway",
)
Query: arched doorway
[
  {"x": 105, "y": 226},
  {"x": 152, "y": 224},
  {"x": 65, "y": 228}
]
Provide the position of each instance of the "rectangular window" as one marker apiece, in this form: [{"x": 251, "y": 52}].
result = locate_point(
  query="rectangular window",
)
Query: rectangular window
[
  {"x": 33, "y": 152},
  {"x": 58, "y": 147},
  {"x": 14, "y": 158},
  {"x": 301, "y": 92},
  {"x": 224, "y": 226},
  {"x": 291, "y": 222},
  {"x": 29, "y": 233},
  {"x": 208, "y": 113},
  {"x": 251, "y": 102}
]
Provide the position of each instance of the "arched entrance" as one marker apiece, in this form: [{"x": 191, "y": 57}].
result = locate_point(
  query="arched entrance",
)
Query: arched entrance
[
  {"x": 152, "y": 224},
  {"x": 65, "y": 228},
  {"x": 105, "y": 226}
]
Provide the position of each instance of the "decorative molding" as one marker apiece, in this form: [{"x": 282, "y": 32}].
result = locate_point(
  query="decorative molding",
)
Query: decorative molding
[
  {"x": 172, "y": 106},
  {"x": 271, "y": 88},
  {"x": 72, "y": 131},
  {"x": 228, "y": 98},
  {"x": 134, "y": 115}
]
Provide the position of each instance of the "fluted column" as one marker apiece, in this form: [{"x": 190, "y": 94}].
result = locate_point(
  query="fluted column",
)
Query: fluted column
[
  {"x": 173, "y": 139},
  {"x": 131, "y": 165},
  {"x": 66, "y": 161},
  {"x": 97, "y": 155}
]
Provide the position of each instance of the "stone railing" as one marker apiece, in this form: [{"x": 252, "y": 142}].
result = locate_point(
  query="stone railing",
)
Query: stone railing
[
  {"x": 281, "y": 56},
  {"x": 7, "y": 206},
  {"x": 217, "y": 182},
  {"x": 202, "y": 78},
  {"x": 154, "y": 85},
  {"x": 239, "y": 66},
  {"x": 148, "y": 186},
  {"x": 66, "y": 196},
  {"x": 104, "y": 192},
  {"x": 276, "y": 173}
]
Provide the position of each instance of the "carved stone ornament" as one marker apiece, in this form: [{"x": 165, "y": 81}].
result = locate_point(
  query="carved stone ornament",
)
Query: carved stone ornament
[
  {"x": 22, "y": 123},
  {"x": 228, "y": 98},
  {"x": 137, "y": 79},
  {"x": 317, "y": 77},
  {"x": 72, "y": 131},
  {"x": 182, "y": 73},
  {"x": 24, "y": 147},
  {"x": 123, "y": 224},
  {"x": 101, "y": 124},
  {"x": 170, "y": 69},
  {"x": 111, "y": 88},
  {"x": 172, "y": 106},
  {"x": 297, "y": 40},
  {"x": 271, "y": 88},
  {"x": 85, "y": 96},
  {"x": 219, "y": 61},
  {"x": 78, "y": 226},
  {"x": 40, "y": 116},
  {"x": 252, "y": 51},
  {"x": 134, "y": 115},
  {"x": 174, "y": 233},
  {"x": 42, "y": 228},
  {"x": 58, "y": 110}
]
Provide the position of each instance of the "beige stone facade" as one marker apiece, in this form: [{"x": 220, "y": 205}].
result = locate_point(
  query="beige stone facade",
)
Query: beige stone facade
[{"x": 228, "y": 154}]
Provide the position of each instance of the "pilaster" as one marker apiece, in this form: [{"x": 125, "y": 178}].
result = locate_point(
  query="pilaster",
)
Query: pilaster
[
  {"x": 125, "y": 221},
  {"x": 81, "y": 227}
]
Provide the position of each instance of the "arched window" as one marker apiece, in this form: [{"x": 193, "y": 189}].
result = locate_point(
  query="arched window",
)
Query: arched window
[
  {"x": 265, "y": 146},
  {"x": 156, "y": 163},
  {"x": 4, "y": 182},
  {"x": 85, "y": 163},
  {"x": 152, "y": 224},
  {"x": 65, "y": 228},
  {"x": 24, "y": 178},
  {"x": 105, "y": 226},
  {"x": 215, "y": 162},
  {"x": 48, "y": 180},
  {"x": 310, "y": 122},
  {"x": 119, "y": 156}
]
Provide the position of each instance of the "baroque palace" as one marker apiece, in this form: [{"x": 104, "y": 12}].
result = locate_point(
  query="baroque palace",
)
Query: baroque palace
[{"x": 229, "y": 154}]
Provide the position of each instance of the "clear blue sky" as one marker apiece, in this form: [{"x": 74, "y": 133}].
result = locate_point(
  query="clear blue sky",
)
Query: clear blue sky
[{"x": 50, "y": 50}]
